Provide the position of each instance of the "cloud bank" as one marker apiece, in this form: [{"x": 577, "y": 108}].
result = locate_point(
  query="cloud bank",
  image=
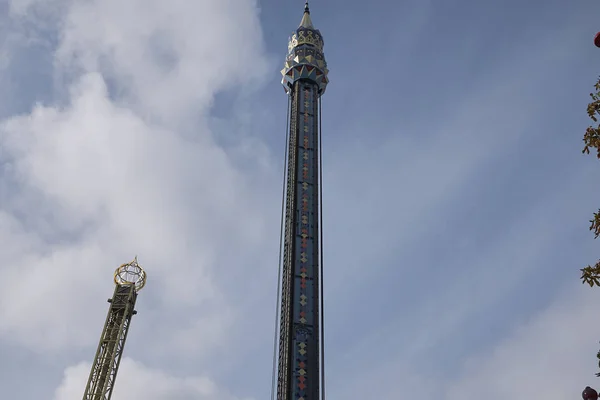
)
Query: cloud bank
[{"x": 121, "y": 162}]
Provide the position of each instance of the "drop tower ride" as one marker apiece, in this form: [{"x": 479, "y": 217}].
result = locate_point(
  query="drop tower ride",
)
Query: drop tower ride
[
  {"x": 300, "y": 367},
  {"x": 129, "y": 279}
]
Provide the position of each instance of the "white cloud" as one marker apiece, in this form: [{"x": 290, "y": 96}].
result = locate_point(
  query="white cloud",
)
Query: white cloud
[
  {"x": 125, "y": 166},
  {"x": 102, "y": 174},
  {"x": 168, "y": 59},
  {"x": 135, "y": 380}
]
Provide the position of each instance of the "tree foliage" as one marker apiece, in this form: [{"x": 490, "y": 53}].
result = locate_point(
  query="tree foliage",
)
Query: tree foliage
[{"x": 591, "y": 138}]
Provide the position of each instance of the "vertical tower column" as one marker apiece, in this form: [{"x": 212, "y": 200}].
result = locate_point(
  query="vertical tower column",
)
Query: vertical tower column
[
  {"x": 305, "y": 80},
  {"x": 129, "y": 279}
]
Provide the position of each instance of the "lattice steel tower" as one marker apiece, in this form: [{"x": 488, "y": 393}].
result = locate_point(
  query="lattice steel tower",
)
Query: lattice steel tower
[
  {"x": 129, "y": 279},
  {"x": 300, "y": 368}
]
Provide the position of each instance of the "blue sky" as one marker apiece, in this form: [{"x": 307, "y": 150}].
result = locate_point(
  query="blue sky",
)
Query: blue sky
[{"x": 456, "y": 197}]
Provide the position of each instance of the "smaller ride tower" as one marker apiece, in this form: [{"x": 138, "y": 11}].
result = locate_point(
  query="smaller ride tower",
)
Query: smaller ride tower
[{"x": 129, "y": 279}]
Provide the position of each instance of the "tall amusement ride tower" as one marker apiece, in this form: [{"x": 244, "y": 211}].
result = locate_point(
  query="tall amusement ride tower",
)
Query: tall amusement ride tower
[
  {"x": 300, "y": 368},
  {"x": 129, "y": 279}
]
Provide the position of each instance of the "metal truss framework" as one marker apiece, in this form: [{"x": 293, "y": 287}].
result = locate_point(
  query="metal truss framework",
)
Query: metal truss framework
[{"x": 110, "y": 349}]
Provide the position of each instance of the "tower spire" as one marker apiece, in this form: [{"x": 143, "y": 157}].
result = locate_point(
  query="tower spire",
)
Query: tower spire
[{"x": 306, "y": 21}]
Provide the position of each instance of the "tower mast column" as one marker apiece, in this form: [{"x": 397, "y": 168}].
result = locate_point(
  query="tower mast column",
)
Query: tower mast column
[
  {"x": 129, "y": 280},
  {"x": 304, "y": 80}
]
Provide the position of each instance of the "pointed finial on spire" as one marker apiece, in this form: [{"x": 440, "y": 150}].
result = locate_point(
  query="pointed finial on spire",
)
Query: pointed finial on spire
[{"x": 306, "y": 21}]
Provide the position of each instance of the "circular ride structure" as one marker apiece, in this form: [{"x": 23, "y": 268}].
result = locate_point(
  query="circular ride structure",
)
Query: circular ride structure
[{"x": 131, "y": 274}]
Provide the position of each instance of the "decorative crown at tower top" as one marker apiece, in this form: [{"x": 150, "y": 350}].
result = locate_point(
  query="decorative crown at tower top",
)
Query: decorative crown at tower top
[
  {"x": 305, "y": 59},
  {"x": 306, "y": 33}
]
